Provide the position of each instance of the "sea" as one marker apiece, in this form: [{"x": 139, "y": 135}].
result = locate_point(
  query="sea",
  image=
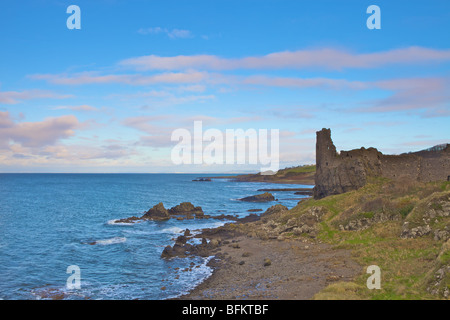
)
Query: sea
[{"x": 48, "y": 223}]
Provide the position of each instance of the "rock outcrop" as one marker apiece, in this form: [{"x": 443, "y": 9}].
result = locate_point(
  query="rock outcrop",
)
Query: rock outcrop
[
  {"x": 184, "y": 210},
  {"x": 158, "y": 212},
  {"x": 182, "y": 248},
  {"x": 275, "y": 224},
  {"x": 187, "y": 209},
  {"x": 364, "y": 222},
  {"x": 430, "y": 217},
  {"x": 264, "y": 197}
]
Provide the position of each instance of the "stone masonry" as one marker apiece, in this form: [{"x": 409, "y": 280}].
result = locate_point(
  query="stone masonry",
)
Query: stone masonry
[{"x": 349, "y": 170}]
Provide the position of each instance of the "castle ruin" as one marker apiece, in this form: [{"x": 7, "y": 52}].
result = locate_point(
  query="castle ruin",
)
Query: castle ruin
[{"x": 349, "y": 170}]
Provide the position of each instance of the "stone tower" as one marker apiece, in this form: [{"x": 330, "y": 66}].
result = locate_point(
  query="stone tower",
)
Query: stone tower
[
  {"x": 341, "y": 172},
  {"x": 325, "y": 149}
]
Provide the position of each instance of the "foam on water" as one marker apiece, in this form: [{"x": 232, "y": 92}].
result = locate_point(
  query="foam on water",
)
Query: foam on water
[
  {"x": 190, "y": 280},
  {"x": 113, "y": 222},
  {"x": 114, "y": 240},
  {"x": 175, "y": 230}
]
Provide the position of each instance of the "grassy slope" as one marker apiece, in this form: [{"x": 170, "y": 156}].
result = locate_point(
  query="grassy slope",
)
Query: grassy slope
[{"x": 408, "y": 266}]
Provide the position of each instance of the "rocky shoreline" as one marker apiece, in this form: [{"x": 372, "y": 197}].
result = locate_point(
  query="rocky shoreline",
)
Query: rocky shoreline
[
  {"x": 250, "y": 265},
  {"x": 319, "y": 249},
  {"x": 251, "y": 257},
  {"x": 255, "y": 269}
]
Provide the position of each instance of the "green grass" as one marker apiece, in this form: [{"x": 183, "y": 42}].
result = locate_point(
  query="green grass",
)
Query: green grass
[
  {"x": 407, "y": 265},
  {"x": 404, "y": 211},
  {"x": 445, "y": 257},
  {"x": 301, "y": 169}
]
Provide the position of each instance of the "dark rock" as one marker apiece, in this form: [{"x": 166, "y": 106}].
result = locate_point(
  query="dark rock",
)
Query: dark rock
[
  {"x": 304, "y": 193},
  {"x": 184, "y": 210},
  {"x": 178, "y": 250},
  {"x": 167, "y": 252},
  {"x": 128, "y": 220},
  {"x": 181, "y": 240},
  {"x": 187, "y": 209},
  {"x": 254, "y": 210},
  {"x": 223, "y": 217},
  {"x": 264, "y": 197},
  {"x": 158, "y": 212},
  {"x": 202, "y": 179}
]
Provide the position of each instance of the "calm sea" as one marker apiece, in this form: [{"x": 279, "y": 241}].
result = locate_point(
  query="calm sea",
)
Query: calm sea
[{"x": 48, "y": 220}]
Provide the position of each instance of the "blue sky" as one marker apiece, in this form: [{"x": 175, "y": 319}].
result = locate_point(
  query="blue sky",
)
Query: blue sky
[{"x": 106, "y": 98}]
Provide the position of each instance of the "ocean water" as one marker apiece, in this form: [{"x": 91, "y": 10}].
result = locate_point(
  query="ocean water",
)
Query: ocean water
[{"x": 48, "y": 220}]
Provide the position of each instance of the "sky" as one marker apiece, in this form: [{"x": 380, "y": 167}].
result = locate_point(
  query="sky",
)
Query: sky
[{"x": 107, "y": 97}]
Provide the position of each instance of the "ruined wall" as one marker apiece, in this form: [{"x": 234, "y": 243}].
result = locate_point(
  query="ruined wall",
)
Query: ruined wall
[{"x": 348, "y": 170}]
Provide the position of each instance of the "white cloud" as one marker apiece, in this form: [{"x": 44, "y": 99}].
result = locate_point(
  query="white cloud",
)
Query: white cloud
[
  {"x": 326, "y": 58},
  {"x": 84, "y": 107},
  {"x": 131, "y": 79},
  {"x": 36, "y": 134},
  {"x": 14, "y": 97},
  {"x": 173, "y": 34}
]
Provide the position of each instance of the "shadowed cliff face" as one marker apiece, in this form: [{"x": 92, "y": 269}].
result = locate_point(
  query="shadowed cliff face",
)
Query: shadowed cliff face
[
  {"x": 339, "y": 173},
  {"x": 348, "y": 170}
]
